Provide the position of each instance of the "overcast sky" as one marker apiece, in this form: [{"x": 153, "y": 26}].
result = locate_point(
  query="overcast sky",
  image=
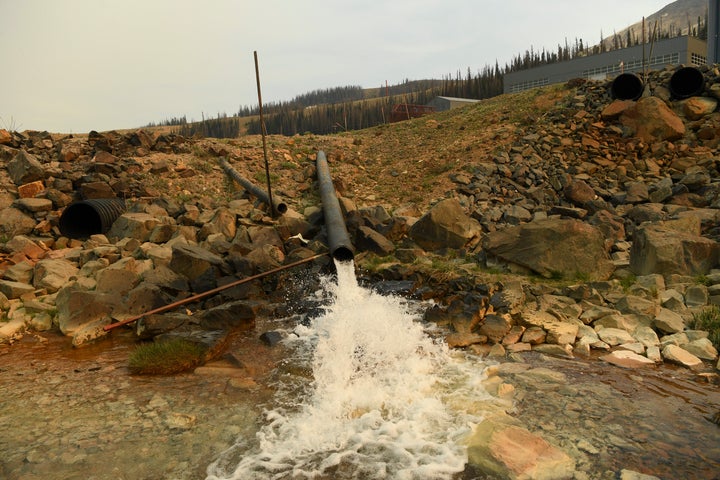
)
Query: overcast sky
[{"x": 73, "y": 66}]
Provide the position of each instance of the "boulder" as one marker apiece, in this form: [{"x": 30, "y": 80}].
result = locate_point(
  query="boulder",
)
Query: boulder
[
  {"x": 25, "y": 168},
  {"x": 701, "y": 348},
  {"x": 553, "y": 247},
  {"x": 579, "y": 192},
  {"x": 78, "y": 307},
  {"x": 22, "y": 244},
  {"x": 20, "y": 272},
  {"x": 501, "y": 450},
  {"x": 658, "y": 248},
  {"x": 445, "y": 226},
  {"x": 264, "y": 235},
  {"x": 122, "y": 276},
  {"x": 96, "y": 190},
  {"x": 14, "y": 222},
  {"x": 696, "y": 107},
  {"x": 230, "y": 315},
  {"x": 135, "y": 225},
  {"x": 615, "y": 336},
  {"x": 675, "y": 354},
  {"x": 198, "y": 265},
  {"x": 646, "y": 336},
  {"x": 495, "y": 327},
  {"x": 266, "y": 257},
  {"x": 6, "y": 137},
  {"x": 370, "y": 240},
  {"x": 627, "y": 359},
  {"x": 651, "y": 120},
  {"x": 53, "y": 274},
  {"x": 668, "y": 321},
  {"x": 156, "y": 324},
  {"x": 561, "y": 333},
  {"x": 225, "y": 222},
  {"x": 143, "y": 298},
  {"x": 11, "y": 290}
]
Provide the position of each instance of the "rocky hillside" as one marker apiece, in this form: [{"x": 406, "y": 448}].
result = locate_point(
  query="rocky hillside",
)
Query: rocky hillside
[
  {"x": 675, "y": 18},
  {"x": 556, "y": 220}
]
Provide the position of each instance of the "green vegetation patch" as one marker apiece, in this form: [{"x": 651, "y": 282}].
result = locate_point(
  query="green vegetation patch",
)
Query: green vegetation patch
[
  {"x": 709, "y": 320},
  {"x": 166, "y": 357}
]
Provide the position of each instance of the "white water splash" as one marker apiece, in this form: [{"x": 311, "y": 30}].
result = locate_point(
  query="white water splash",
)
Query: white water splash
[{"x": 387, "y": 402}]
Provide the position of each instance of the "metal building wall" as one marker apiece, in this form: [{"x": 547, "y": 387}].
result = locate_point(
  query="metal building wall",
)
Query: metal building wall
[
  {"x": 679, "y": 50},
  {"x": 713, "y": 29}
]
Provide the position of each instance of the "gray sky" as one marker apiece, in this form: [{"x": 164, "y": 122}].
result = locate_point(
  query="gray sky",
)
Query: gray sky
[{"x": 73, "y": 66}]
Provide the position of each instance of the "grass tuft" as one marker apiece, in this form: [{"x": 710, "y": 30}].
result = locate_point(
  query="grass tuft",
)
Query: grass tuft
[
  {"x": 167, "y": 357},
  {"x": 709, "y": 320}
]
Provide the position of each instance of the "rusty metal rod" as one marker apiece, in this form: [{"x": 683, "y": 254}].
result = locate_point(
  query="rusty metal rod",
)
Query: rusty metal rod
[
  {"x": 279, "y": 206},
  {"x": 213, "y": 291}
]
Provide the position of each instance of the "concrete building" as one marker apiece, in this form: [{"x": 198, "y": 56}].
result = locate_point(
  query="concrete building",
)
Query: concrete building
[
  {"x": 440, "y": 104},
  {"x": 685, "y": 50}
]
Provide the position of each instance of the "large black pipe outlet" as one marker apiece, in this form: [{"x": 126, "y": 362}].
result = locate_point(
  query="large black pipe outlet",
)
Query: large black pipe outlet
[
  {"x": 627, "y": 86},
  {"x": 687, "y": 82},
  {"x": 88, "y": 217},
  {"x": 338, "y": 239}
]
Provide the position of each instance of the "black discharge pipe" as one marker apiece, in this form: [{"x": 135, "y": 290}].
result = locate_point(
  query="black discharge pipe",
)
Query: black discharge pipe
[
  {"x": 338, "y": 238},
  {"x": 261, "y": 194},
  {"x": 627, "y": 86},
  {"x": 82, "y": 219},
  {"x": 687, "y": 82}
]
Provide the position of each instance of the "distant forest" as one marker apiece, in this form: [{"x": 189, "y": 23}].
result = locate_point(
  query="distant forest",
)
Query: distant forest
[{"x": 353, "y": 108}]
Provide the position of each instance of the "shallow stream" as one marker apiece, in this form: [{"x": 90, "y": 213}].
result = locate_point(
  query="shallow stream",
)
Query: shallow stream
[{"x": 361, "y": 391}]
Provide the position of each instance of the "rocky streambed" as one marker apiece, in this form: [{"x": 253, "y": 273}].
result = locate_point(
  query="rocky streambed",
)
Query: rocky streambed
[{"x": 78, "y": 413}]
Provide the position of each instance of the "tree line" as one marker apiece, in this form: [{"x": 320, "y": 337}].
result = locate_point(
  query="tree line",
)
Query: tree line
[
  {"x": 220, "y": 127},
  {"x": 351, "y": 107}
]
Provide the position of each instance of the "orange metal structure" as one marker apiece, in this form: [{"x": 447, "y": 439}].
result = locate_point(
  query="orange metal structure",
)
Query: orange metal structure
[{"x": 406, "y": 111}]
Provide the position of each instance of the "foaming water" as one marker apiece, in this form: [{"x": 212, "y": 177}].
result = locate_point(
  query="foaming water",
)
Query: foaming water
[{"x": 385, "y": 400}]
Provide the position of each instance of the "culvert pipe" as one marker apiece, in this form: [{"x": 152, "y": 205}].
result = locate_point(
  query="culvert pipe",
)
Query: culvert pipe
[
  {"x": 627, "y": 86},
  {"x": 82, "y": 219},
  {"x": 686, "y": 82},
  {"x": 279, "y": 206},
  {"x": 338, "y": 239}
]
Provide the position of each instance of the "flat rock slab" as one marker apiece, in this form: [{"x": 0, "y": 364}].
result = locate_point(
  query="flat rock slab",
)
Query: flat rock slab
[{"x": 627, "y": 359}]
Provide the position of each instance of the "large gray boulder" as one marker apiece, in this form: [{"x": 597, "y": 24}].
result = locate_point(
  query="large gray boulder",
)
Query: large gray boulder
[
  {"x": 672, "y": 248},
  {"x": 199, "y": 266},
  {"x": 370, "y": 240},
  {"x": 445, "y": 226},
  {"x": 553, "y": 247},
  {"x": 25, "y": 168},
  {"x": 53, "y": 273},
  {"x": 14, "y": 222},
  {"x": 137, "y": 225},
  {"x": 78, "y": 307}
]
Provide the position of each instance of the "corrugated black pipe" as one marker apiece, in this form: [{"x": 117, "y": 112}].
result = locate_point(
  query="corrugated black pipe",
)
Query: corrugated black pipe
[
  {"x": 687, "y": 82},
  {"x": 89, "y": 217},
  {"x": 261, "y": 194},
  {"x": 338, "y": 239},
  {"x": 627, "y": 86}
]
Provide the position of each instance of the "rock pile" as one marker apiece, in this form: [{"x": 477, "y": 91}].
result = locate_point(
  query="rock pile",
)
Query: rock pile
[{"x": 619, "y": 200}]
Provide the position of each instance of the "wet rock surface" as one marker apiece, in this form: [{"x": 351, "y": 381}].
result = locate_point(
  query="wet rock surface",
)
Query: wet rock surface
[{"x": 79, "y": 414}]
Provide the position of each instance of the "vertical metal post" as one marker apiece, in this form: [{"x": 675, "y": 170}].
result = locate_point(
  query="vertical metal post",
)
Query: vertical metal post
[
  {"x": 263, "y": 133},
  {"x": 644, "y": 60}
]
